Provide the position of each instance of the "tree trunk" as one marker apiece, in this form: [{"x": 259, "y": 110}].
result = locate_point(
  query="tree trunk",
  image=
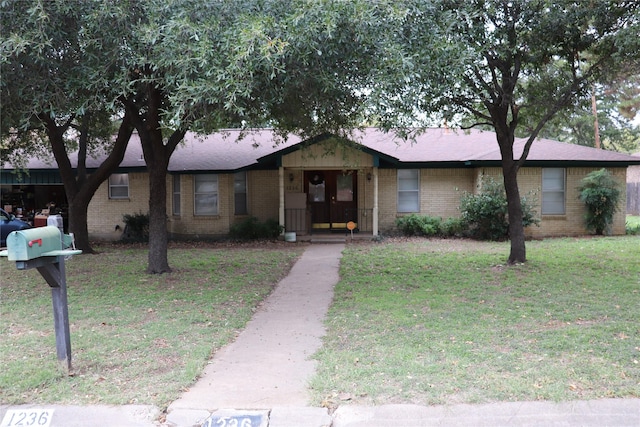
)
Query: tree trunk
[
  {"x": 510, "y": 167},
  {"x": 157, "y": 154},
  {"x": 78, "y": 208},
  {"x": 81, "y": 188},
  {"x": 518, "y": 252},
  {"x": 158, "y": 234}
]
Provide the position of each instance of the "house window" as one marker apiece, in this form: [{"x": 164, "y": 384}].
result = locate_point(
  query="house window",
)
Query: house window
[
  {"x": 119, "y": 186},
  {"x": 240, "y": 193},
  {"x": 176, "y": 195},
  {"x": 553, "y": 191},
  {"x": 408, "y": 190},
  {"x": 205, "y": 194}
]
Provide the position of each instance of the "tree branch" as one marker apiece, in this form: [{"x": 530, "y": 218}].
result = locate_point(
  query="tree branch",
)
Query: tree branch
[{"x": 476, "y": 124}]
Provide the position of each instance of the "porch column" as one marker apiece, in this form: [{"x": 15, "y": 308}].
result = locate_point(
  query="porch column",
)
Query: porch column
[
  {"x": 281, "y": 197},
  {"x": 375, "y": 201}
]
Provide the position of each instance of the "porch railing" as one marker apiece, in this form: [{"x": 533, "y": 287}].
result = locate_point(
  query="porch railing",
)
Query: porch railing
[
  {"x": 299, "y": 220},
  {"x": 362, "y": 217}
]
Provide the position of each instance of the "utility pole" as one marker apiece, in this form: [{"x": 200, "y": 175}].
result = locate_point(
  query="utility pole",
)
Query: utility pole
[{"x": 594, "y": 109}]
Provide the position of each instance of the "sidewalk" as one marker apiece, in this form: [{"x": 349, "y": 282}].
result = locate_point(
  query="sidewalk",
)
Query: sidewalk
[{"x": 260, "y": 380}]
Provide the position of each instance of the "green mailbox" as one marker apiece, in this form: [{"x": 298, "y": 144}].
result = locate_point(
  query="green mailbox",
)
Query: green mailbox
[
  {"x": 45, "y": 248},
  {"x": 25, "y": 245}
]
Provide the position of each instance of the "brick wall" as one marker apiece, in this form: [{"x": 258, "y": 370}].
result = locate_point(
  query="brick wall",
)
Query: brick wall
[
  {"x": 570, "y": 224},
  {"x": 105, "y": 214},
  {"x": 263, "y": 193},
  {"x": 441, "y": 190}
]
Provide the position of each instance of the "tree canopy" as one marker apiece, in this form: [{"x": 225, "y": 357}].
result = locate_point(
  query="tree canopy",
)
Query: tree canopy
[
  {"x": 165, "y": 67},
  {"x": 510, "y": 65},
  {"x": 56, "y": 92}
]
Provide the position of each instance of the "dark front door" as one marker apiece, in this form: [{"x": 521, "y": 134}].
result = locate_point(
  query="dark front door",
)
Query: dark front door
[{"x": 332, "y": 198}]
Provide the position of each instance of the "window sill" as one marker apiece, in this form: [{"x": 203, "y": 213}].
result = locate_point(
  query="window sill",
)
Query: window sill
[{"x": 557, "y": 217}]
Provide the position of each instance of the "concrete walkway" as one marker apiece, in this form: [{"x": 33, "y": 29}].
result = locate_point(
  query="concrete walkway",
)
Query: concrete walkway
[
  {"x": 269, "y": 364},
  {"x": 260, "y": 380}
]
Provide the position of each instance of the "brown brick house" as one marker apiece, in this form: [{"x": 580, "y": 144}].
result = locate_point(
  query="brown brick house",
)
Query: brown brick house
[{"x": 318, "y": 186}]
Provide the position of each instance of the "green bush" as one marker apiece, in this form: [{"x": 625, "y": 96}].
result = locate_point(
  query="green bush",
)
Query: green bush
[
  {"x": 454, "y": 227},
  {"x": 419, "y": 225},
  {"x": 600, "y": 193},
  {"x": 136, "y": 227},
  {"x": 486, "y": 215},
  {"x": 252, "y": 229},
  {"x": 632, "y": 230}
]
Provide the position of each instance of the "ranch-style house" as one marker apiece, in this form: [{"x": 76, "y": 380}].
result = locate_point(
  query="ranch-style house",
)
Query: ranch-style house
[{"x": 322, "y": 184}]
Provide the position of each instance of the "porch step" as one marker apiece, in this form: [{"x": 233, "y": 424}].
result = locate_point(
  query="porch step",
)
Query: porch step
[{"x": 328, "y": 240}]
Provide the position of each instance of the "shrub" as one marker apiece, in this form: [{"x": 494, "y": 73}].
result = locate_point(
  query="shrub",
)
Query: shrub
[
  {"x": 486, "y": 215},
  {"x": 632, "y": 229},
  {"x": 136, "y": 227},
  {"x": 454, "y": 227},
  {"x": 419, "y": 225},
  {"x": 632, "y": 224},
  {"x": 252, "y": 229},
  {"x": 601, "y": 194}
]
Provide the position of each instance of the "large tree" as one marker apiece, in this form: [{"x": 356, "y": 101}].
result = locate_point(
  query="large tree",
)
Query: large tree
[
  {"x": 199, "y": 65},
  {"x": 55, "y": 97},
  {"x": 171, "y": 66},
  {"x": 188, "y": 65},
  {"x": 510, "y": 65}
]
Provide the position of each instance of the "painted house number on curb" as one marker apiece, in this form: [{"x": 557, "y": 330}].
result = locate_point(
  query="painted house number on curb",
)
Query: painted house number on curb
[
  {"x": 27, "y": 418},
  {"x": 235, "y": 421}
]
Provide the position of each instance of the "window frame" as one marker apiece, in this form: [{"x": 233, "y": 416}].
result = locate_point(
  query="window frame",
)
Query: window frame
[
  {"x": 240, "y": 195},
  {"x": 558, "y": 192},
  {"x": 415, "y": 192},
  {"x": 113, "y": 185},
  {"x": 176, "y": 203},
  {"x": 214, "y": 193}
]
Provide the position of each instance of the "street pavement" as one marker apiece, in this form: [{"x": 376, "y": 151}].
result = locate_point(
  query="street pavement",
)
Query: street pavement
[{"x": 260, "y": 380}]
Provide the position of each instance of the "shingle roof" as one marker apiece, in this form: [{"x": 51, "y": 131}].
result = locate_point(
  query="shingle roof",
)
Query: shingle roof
[{"x": 232, "y": 150}]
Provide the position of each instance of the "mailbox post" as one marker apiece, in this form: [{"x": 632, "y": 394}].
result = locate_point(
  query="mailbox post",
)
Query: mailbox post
[{"x": 45, "y": 249}]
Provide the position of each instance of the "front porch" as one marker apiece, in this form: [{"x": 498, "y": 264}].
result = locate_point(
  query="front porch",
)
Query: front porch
[{"x": 329, "y": 202}]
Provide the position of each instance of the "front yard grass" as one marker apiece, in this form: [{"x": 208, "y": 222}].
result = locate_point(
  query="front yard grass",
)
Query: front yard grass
[
  {"x": 135, "y": 338},
  {"x": 413, "y": 321},
  {"x": 443, "y": 321}
]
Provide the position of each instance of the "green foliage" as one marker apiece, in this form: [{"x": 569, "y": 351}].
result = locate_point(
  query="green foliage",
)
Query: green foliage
[
  {"x": 454, "y": 227},
  {"x": 601, "y": 194},
  {"x": 424, "y": 225},
  {"x": 419, "y": 225},
  {"x": 136, "y": 228},
  {"x": 632, "y": 230},
  {"x": 486, "y": 215},
  {"x": 633, "y": 225},
  {"x": 617, "y": 105},
  {"x": 252, "y": 229}
]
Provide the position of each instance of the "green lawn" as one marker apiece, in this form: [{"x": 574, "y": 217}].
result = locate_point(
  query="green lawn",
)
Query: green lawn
[
  {"x": 415, "y": 321},
  {"x": 443, "y": 321},
  {"x": 135, "y": 338}
]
